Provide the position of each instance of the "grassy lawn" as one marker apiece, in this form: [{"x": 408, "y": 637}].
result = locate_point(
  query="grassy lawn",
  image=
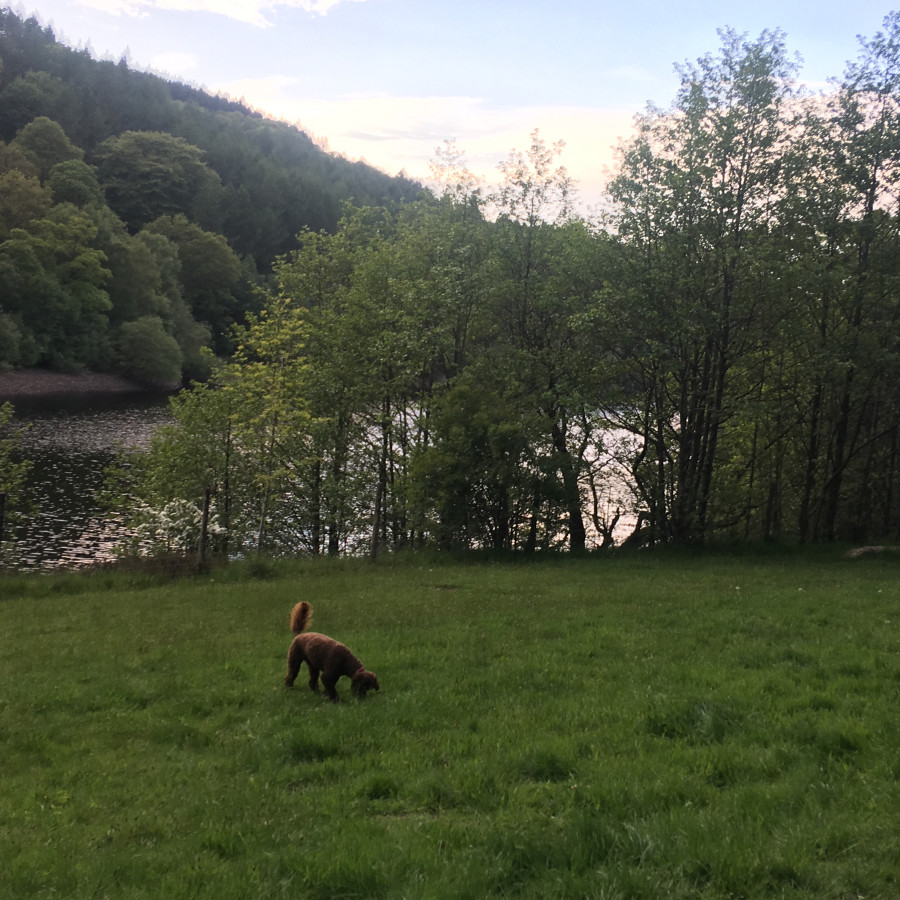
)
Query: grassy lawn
[{"x": 616, "y": 727}]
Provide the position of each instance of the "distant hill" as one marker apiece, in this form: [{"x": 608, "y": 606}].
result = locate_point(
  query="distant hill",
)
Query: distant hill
[
  {"x": 274, "y": 178},
  {"x": 138, "y": 212}
]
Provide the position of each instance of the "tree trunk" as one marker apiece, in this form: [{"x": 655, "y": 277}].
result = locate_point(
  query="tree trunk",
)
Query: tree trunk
[
  {"x": 381, "y": 486},
  {"x": 204, "y": 529},
  {"x": 569, "y": 471},
  {"x": 316, "y": 504}
]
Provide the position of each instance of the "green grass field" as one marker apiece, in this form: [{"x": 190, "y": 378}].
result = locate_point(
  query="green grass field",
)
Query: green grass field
[{"x": 618, "y": 727}]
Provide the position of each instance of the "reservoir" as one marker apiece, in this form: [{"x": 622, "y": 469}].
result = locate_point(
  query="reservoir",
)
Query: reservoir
[{"x": 71, "y": 440}]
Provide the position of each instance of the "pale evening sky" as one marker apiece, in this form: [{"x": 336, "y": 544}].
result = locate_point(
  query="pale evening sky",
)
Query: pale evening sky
[{"x": 389, "y": 80}]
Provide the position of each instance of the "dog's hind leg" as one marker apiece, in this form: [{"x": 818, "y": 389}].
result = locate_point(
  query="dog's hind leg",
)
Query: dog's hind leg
[
  {"x": 295, "y": 660},
  {"x": 313, "y": 679}
]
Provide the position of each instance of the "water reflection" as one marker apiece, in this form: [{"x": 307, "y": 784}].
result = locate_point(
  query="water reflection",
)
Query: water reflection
[
  {"x": 71, "y": 441},
  {"x": 73, "y": 438}
]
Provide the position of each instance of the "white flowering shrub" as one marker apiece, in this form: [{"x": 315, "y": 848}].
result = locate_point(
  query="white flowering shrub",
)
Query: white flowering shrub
[{"x": 173, "y": 528}]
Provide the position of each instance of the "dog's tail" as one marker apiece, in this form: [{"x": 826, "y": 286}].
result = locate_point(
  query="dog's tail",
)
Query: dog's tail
[{"x": 300, "y": 616}]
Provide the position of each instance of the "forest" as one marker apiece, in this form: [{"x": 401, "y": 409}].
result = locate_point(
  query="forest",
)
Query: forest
[
  {"x": 714, "y": 358},
  {"x": 139, "y": 217}
]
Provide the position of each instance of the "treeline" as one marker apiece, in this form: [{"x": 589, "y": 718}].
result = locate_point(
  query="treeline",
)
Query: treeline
[
  {"x": 487, "y": 370},
  {"x": 137, "y": 215},
  {"x": 718, "y": 358}
]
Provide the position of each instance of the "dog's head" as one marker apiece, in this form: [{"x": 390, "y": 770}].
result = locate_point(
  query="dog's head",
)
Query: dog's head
[{"x": 364, "y": 681}]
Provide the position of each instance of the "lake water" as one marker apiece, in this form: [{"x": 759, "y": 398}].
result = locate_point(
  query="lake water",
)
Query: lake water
[{"x": 71, "y": 441}]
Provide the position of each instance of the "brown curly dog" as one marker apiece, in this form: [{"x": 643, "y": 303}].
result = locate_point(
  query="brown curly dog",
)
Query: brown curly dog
[{"x": 326, "y": 655}]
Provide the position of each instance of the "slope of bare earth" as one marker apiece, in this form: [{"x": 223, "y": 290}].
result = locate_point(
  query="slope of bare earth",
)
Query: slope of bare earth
[{"x": 41, "y": 383}]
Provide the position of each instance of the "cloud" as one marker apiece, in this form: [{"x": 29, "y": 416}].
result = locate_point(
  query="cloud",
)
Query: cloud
[
  {"x": 402, "y": 133},
  {"x": 253, "y": 12}
]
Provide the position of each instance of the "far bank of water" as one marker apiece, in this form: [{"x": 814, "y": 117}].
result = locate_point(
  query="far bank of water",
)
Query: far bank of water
[{"x": 71, "y": 441}]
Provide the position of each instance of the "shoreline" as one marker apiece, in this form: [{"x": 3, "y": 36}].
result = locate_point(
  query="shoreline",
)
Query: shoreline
[{"x": 38, "y": 383}]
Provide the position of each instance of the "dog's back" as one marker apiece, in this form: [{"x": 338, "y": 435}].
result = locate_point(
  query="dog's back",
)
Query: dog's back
[{"x": 323, "y": 652}]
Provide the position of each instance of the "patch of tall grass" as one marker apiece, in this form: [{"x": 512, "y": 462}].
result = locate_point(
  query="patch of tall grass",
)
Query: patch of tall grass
[{"x": 615, "y": 727}]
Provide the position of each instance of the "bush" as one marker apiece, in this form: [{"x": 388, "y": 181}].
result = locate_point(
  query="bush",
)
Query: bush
[{"x": 149, "y": 354}]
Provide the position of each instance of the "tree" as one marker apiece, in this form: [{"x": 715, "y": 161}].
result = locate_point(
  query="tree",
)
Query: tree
[
  {"x": 331, "y": 494},
  {"x": 210, "y": 274},
  {"x": 851, "y": 163},
  {"x": 468, "y": 486},
  {"x": 13, "y": 471},
  {"x": 162, "y": 492},
  {"x": 148, "y": 353},
  {"x": 58, "y": 280},
  {"x": 454, "y": 182},
  {"x": 391, "y": 318},
  {"x": 238, "y": 441},
  {"x": 146, "y": 175},
  {"x": 22, "y": 200},
  {"x": 15, "y": 158},
  {"x": 74, "y": 181},
  {"x": 30, "y": 95},
  {"x": 30, "y": 295},
  {"x": 695, "y": 196},
  {"x": 46, "y": 144},
  {"x": 271, "y": 415},
  {"x": 545, "y": 280},
  {"x": 10, "y": 341}
]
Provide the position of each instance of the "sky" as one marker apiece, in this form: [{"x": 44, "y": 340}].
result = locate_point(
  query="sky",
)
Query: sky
[{"x": 388, "y": 81}]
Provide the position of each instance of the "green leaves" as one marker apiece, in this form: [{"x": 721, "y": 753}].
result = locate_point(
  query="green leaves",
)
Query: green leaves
[
  {"x": 146, "y": 175},
  {"x": 697, "y": 194},
  {"x": 209, "y": 274},
  {"x": 149, "y": 354},
  {"x": 46, "y": 144},
  {"x": 242, "y": 436},
  {"x": 13, "y": 470}
]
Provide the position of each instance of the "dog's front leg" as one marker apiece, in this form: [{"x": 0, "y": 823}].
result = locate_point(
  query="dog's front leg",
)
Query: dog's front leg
[{"x": 329, "y": 684}]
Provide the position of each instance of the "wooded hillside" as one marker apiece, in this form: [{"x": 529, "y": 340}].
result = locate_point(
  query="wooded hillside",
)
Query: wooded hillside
[{"x": 137, "y": 214}]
